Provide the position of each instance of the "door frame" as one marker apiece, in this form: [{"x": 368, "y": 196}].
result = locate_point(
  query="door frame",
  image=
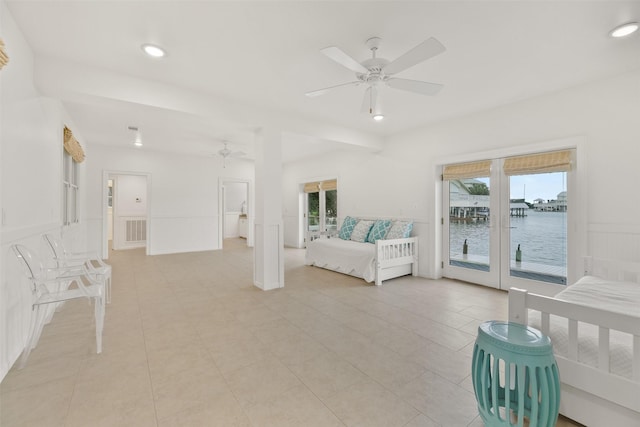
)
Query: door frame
[
  {"x": 303, "y": 208},
  {"x": 489, "y": 278},
  {"x": 576, "y": 217},
  {"x": 106, "y": 175}
]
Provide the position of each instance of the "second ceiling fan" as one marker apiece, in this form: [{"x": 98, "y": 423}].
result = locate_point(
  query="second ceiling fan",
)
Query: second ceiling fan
[{"x": 379, "y": 71}]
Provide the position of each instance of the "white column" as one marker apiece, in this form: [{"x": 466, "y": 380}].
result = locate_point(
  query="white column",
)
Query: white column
[{"x": 268, "y": 266}]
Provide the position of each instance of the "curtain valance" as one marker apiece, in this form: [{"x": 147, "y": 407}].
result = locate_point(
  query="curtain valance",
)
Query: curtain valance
[
  {"x": 479, "y": 169},
  {"x": 4, "y": 58},
  {"x": 314, "y": 187},
  {"x": 556, "y": 161},
  {"x": 72, "y": 146}
]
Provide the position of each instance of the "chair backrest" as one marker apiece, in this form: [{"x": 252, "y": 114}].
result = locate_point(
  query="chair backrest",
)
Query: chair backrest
[
  {"x": 55, "y": 246},
  {"x": 30, "y": 265}
]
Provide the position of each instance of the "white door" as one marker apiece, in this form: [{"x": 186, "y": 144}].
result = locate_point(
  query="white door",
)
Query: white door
[{"x": 471, "y": 235}]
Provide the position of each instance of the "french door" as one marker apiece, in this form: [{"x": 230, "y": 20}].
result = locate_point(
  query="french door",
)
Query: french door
[
  {"x": 321, "y": 207},
  {"x": 505, "y": 221}
]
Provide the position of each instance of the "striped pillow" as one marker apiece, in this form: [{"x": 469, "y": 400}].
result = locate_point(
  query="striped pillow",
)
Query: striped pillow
[
  {"x": 361, "y": 231},
  {"x": 400, "y": 230}
]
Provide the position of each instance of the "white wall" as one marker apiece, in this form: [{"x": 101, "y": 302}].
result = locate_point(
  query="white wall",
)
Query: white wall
[
  {"x": 369, "y": 185},
  {"x": 183, "y": 200},
  {"x": 31, "y": 182},
  {"x": 131, "y": 195},
  {"x": 401, "y": 180},
  {"x": 236, "y": 193}
]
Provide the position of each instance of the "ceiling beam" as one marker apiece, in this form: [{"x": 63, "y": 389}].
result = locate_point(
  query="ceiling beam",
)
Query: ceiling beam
[{"x": 68, "y": 81}]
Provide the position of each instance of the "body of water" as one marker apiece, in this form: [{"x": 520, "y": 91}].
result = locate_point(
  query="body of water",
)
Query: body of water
[{"x": 542, "y": 237}]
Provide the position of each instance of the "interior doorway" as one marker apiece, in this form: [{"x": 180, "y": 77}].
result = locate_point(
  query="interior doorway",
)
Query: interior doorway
[
  {"x": 235, "y": 216},
  {"x": 126, "y": 211}
]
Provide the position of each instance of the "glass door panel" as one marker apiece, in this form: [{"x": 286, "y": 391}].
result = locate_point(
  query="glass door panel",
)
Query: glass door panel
[
  {"x": 331, "y": 210},
  {"x": 470, "y": 240},
  {"x": 538, "y": 227},
  {"x": 313, "y": 212}
]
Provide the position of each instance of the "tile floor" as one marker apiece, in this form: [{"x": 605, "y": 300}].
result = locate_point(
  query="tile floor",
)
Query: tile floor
[{"x": 189, "y": 341}]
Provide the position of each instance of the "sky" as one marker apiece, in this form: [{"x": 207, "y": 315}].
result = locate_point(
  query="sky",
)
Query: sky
[{"x": 539, "y": 186}]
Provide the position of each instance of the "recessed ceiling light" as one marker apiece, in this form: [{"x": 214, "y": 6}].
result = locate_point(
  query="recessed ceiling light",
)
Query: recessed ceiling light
[
  {"x": 153, "y": 51},
  {"x": 378, "y": 117},
  {"x": 624, "y": 29}
]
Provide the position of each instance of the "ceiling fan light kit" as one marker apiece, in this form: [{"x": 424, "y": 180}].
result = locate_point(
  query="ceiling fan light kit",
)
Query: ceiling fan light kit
[
  {"x": 225, "y": 153},
  {"x": 153, "y": 50},
  {"x": 375, "y": 72},
  {"x": 624, "y": 30}
]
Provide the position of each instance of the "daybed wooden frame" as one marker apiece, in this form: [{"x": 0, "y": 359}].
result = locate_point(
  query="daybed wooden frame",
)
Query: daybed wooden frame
[
  {"x": 393, "y": 258},
  {"x": 592, "y": 396}
]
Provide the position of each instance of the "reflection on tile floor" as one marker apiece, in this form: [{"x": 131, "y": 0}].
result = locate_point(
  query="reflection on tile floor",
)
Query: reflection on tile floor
[{"x": 189, "y": 341}]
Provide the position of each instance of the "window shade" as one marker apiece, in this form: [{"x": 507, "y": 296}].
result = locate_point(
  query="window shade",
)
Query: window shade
[
  {"x": 557, "y": 161},
  {"x": 314, "y": 187},
  {"x": 329, "y": 185},
  {"x": 72, "y": 146},
  {"x": 467, "y": 170},
  {"x": 4, "y": 58}
]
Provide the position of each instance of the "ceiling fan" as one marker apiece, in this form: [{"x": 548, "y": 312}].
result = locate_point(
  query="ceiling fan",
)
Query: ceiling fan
[
  {"x": 375, "y": 72},
  {"x": 226, "y": 153}
]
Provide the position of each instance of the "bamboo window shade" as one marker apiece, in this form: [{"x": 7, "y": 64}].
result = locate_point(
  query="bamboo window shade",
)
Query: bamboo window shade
[
  {"x": 314, "y": 187},
  {"x": 72, "y": 146},
  {"x": 467, "y": 170},
  {"x": 4, "y": 58},
  {"x": 556, "y": 161}
]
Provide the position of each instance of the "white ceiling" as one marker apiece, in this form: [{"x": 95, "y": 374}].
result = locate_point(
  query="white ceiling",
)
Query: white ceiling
[{"x": 249, "y": 63}]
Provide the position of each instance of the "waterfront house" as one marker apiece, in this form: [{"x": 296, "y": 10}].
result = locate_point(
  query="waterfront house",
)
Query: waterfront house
[
  {"x": 556, "y": 205},
  {"x": 519, "y": 78}
]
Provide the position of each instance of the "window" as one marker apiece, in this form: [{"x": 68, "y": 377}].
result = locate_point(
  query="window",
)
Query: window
[{"x": 69, "y": 191}]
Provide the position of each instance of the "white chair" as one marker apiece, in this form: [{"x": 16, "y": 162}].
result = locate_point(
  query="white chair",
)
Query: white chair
[
  {"x": 49, "y": 289},
  {"x": 64, "y": 259}
]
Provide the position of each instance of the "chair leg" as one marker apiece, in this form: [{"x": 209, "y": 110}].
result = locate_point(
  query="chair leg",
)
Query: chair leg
[
  {"x": 35, "y": 329},
  {"x": 108, "y": 288},
  {"x": 99, "y": 314}
]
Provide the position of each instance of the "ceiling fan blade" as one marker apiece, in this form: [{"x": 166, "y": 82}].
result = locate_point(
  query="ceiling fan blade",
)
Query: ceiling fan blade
[
  {"x": 369, "y": 100},
  {"x": 323, "y": 91},
  {"x": 425, "y": 50},
  {"x": 423, "y": 88},
  {"x": 343, "y": 59}
]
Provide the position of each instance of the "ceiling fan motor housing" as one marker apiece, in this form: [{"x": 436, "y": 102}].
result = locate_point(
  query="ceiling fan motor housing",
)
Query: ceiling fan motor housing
[{"x": 375, "y": 67}]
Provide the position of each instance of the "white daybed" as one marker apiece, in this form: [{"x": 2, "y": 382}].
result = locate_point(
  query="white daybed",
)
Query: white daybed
[
  {"x": 386, "y": 259},
  {"x": 594, "y": 326}
]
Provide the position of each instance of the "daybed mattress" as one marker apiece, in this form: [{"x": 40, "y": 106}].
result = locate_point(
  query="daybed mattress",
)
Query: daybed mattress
[
  {"x": 344, "y": 256},
  {"x": 622, "y": 297}
]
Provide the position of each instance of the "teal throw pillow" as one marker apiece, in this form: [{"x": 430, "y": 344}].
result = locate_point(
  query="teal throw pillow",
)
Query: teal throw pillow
[
  {"x": 379, "y": 230},
  {"x": 347, "y": 228}
]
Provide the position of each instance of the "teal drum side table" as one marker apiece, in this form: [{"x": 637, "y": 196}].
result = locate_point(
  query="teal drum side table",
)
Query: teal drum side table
[{"x": 515, "y": 376}]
